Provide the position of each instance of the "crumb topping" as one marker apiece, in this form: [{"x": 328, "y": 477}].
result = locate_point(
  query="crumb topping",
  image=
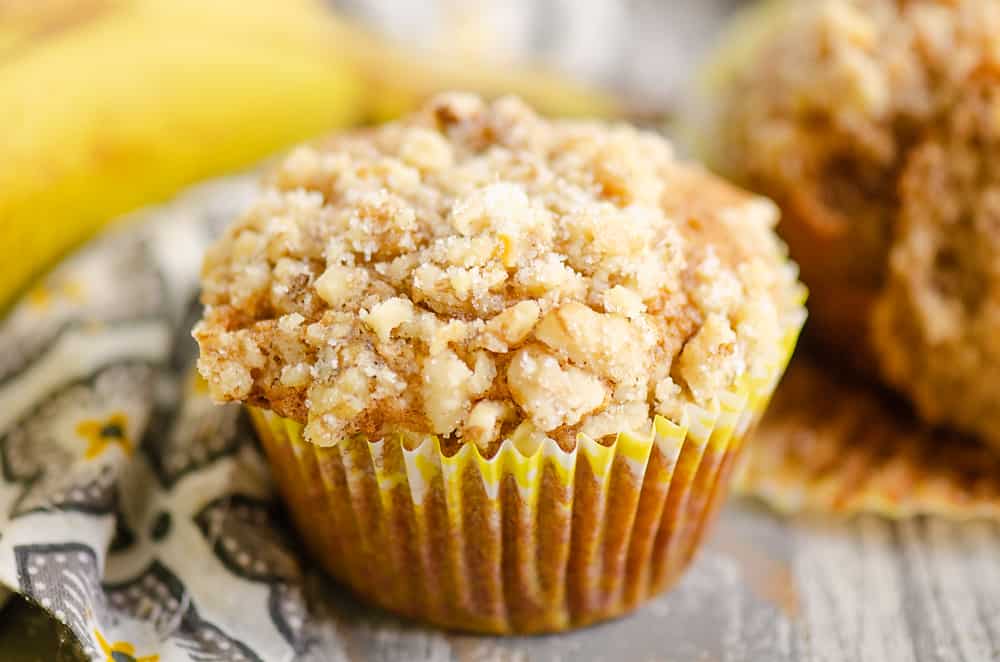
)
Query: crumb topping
[
  {"x": 823, "y": 117},
  {"x": 935, "y": 323},
  {"x": 855, "y": 78},
  {"x": 475, "y": 269}
]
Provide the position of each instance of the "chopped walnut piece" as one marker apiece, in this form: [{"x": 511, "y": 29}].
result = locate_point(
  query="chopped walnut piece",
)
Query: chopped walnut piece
[
  {"x": 386, "y": 316},
  {"x": 607, "y": 344},
  {"x": 710, "y": 359},
  {"x": 551, "y": 394},
  {"x": 338, "y": 284},
  {"x": 485, "y": 418},
  {"x": 629, "y": 417},
  {"x": 449, "y": 386},
  {"x": 512, "y": 326}
]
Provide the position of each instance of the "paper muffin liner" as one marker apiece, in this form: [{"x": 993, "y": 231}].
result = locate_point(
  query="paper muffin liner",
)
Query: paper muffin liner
[
  {"x": 515, "y": 542},
  {"x": 835, "y": 446}
]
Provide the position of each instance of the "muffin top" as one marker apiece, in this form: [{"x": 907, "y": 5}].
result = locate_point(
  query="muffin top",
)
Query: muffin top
[
  {"x": 842, "y": 88},
  {"x": 474, "y": 269},
  {"x": 822, "y": 118}
]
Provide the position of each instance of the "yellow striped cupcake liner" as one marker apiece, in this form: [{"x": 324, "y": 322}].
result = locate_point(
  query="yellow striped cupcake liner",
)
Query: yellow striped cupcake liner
[
  {"x": 517, "y": 542},
  {"x": 833, "y": 446}
]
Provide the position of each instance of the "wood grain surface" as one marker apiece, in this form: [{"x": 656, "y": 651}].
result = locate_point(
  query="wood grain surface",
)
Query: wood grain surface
[{"x": 766, "y": 588}]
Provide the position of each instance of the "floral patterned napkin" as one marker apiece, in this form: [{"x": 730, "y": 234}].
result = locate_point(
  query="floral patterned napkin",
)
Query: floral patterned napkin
[{"x": 132, "y": 508}]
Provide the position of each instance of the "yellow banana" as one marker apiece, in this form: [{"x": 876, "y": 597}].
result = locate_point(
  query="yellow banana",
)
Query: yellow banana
[{"x": 110, "y": 104}]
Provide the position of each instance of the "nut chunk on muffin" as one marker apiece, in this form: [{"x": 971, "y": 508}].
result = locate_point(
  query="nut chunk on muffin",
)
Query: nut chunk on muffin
[
  {"x": 866, "y": 120},
  {"x": 472, "y": 338}
]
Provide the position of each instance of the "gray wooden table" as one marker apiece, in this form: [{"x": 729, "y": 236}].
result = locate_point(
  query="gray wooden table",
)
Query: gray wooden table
[{"x": 765, "y": 589}]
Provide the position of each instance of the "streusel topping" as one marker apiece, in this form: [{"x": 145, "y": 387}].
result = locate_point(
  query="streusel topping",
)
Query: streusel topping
[
  {"x": 475, "y": 268},
  {"x": 847, "y": 84},
  {"x": 935, "y": 323}
]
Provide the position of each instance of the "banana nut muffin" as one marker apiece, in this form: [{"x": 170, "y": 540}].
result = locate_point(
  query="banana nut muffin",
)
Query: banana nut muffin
[
  {"x": 501, "y": 366},
  {"x": 476, "y": 268},
  {"x": 867, "y": 121}
]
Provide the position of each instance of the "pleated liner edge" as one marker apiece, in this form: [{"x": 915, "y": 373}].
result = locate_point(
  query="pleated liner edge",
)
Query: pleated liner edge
[{"x": 514, "y": 543}]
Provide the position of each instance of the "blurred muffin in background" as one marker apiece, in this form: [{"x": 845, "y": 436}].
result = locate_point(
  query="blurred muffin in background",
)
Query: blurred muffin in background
[
  {"x": 936, "y": 324},
  {"x": 874, "y": 124}
]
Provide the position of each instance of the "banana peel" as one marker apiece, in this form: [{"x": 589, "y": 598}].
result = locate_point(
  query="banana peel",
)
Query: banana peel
[{"x": 111, "y": 104}]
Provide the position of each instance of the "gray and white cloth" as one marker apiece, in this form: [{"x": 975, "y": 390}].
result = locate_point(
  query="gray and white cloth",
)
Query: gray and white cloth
[{"x": 132, "y": 508}]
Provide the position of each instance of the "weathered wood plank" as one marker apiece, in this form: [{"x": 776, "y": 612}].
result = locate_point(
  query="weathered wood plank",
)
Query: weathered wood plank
[{"x": 765, "y": 588}]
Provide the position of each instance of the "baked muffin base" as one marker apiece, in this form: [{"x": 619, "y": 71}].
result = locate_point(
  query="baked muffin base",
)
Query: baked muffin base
[{"x": 514, "y": 543}]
